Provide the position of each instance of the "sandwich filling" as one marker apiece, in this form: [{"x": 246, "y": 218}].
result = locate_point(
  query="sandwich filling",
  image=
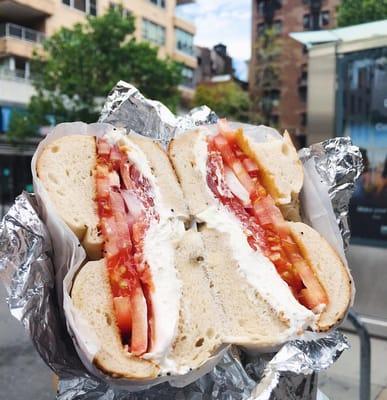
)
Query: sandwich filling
[
  {"x": 143, "y": 281},
  {"x": 236, "y": 182}
]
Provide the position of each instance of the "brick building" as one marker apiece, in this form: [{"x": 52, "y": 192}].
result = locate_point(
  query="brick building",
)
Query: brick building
[{"x": 286, "y": 16}]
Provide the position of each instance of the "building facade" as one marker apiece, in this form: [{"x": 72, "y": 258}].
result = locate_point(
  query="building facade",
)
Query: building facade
[
  {"x": 25, "y": 23},
  {"x": 286, "y": 16}
]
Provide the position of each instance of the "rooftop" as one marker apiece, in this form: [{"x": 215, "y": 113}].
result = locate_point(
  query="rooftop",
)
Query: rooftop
[{"x": 347, "y": 34}]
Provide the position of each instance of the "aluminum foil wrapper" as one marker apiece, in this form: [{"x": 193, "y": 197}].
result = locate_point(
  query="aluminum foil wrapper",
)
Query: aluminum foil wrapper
[
  {"x": 339, "y": 165},
  {"x": 27, "y": 272}
]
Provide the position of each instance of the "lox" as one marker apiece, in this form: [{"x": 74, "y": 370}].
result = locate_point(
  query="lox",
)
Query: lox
[{"x": 163, "y": 300}]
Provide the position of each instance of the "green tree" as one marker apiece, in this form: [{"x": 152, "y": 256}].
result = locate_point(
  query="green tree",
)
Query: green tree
[
  {"x": 352, "y": 12},
  {"x": 81, "y": 64},
  {"x": 266, "y": 81},
  {"x": 227, "y": 99}
]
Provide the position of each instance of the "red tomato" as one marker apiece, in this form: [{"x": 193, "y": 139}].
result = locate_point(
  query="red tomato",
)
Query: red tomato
[
  {"x": 123, "y": 313},
  {"x": 139, "y": 341},
  {"x": 308, "y": 299}
]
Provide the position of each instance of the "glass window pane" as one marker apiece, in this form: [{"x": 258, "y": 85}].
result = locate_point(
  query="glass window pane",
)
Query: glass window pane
[
  {"x": 67, "y": 2},
  {"x": 188, "y": 76},
  {"x": 153, "y": 32},
  {"x": 93, "y": 7},
  {"x": 80, "y": 5},
  {"x": 184, "y": 41}
]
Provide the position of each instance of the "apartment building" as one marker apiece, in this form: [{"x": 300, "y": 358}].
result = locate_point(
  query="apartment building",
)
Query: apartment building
[
  {"x": 286, "y": 16},
  {"x": 24, "y": 24}
]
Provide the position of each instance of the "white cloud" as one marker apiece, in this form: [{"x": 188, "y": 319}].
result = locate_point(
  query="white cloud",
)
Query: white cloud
[{"x": 223, "y": 21}]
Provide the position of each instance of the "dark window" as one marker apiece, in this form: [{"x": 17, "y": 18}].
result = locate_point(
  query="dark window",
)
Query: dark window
[
  {"x": 188, "y": 76},
  {"x": 261, "y": 29},
  {"x": 80, "y": 5},
  {"x": 277, "y": 26},
  {"x": 93, "y": 7},
  {"x": 159, "y": 3},
  {"x": 304, "y": 119},
  {"x": 306, "y": 21},
  {"x": 303, "y": 91},
  {"x": 125, "y": 12},
  {"x": 325, "y": 18},
  {"x": 260, "y": 7},
  {"x": 274, "y": 119},
  {"x": 304, "y": 50},
  {"x": 87, "y": 6}
]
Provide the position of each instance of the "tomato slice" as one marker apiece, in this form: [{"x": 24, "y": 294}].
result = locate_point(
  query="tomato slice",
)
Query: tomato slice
[
  {"x": 231, "y": 160},
  {"x": 123, "y": 313},
  {"x": 139, "y": 341}
]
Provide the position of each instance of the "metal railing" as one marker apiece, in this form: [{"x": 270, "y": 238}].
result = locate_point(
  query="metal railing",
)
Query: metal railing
[
  {"x": 365, "y": 355},
  {"x": 21, "y": 32},
  {"x": 14, "y": 75}
]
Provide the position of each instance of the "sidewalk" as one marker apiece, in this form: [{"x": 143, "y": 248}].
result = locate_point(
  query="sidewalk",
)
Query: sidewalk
[
  {"x": 341, "y": 381},
  {"x": 23, "y": 375}
]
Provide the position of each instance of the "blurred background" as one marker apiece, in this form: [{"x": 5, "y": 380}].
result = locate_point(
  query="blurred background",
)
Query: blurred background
[{"x": 317, "y": 68}]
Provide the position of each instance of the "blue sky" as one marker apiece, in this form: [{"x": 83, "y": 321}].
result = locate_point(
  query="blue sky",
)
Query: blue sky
[{"x": 223, "y": 21}]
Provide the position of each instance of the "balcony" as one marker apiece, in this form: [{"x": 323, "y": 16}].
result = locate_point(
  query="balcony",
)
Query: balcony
[
  {"x": 20, "y": 10},
  {"x": 19, "y": 40},
  {"x": 183, "y": 2}
]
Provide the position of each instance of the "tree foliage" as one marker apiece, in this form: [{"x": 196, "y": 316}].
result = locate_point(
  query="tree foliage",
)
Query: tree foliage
[
  {"x": 227, "y": 99},
  {"x": 268, "y": 48},
  {"x": 353, "y": 12},
  {"x": 80, "y": 66}
]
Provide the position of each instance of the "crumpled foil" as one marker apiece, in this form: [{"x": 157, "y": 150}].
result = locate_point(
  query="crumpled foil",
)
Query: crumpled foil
[
  {"x": 27, "y": 273},
  {"x": 339, "y": 164}
]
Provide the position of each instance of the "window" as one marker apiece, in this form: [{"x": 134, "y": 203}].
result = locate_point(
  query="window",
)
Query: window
[
  {"x": 324, "y": 18},
  {"x": 303, "y": 92},
  {"x": 261, "y": 29},
  {"x": 304, "y": 119},
  {"x": 277, "y": 26},
  {"x": 188, "y": 76},
  {"x": 261, "y": 5},
  {"x": 153, "y": 32},
  {"x": 80, "y": 5},
  {"x": 87, "y": 6},
  {"x": 274, "y": 119},
  {"x": 93, "y": 7},
  {"x": 125, "y": 12},
  {"x": 306, "y": 21},
  {"x": 184, "y": 41},
  {"x": 159, "y": 3}
]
